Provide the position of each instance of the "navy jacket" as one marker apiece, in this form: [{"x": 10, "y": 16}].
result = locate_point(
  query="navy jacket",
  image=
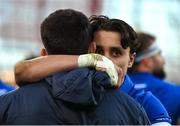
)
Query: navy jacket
[{"x": 64, "y": 98}]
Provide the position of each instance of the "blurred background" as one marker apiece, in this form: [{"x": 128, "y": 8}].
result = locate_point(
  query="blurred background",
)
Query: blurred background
[{"x": 20, "y": 27}]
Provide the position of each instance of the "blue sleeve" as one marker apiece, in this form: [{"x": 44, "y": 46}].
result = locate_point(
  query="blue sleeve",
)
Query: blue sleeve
[
  {"x": 174, "y": 102},
  {"x": 153, "y": 107}
]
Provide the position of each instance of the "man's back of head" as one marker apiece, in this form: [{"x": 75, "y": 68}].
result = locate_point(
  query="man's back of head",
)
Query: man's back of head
[{"x": 66, "y": 32}]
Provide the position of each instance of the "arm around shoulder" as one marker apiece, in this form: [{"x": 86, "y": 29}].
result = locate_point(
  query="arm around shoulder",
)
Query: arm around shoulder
[{"x": 41, "y": 67}]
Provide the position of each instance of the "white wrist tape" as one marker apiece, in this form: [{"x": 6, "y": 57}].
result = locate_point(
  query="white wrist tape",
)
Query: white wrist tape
[
  {"x": 110, "y": 69},
  {"x": 88, "y": 60},
  {"x": 97, "y": 60}
]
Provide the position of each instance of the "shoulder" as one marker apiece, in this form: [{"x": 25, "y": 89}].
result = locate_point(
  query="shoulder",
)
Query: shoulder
[
  {"x": 5, "y": 88},
  {"x": 20, "y": 92},
  {"x": 5, "y": 102},
  {"x": 171, "y": 86},
  {"x": 7, "y": 96},
  {"x": 18, "y": 95}
]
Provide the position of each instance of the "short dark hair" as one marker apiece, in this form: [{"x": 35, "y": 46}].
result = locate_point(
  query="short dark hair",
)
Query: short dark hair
[
  {"x": 66, "y": 31},
  {"x": 128, "y": 35}
]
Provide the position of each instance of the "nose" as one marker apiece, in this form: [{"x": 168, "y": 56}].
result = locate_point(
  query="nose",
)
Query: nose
[{"x": 106, "y": 54}]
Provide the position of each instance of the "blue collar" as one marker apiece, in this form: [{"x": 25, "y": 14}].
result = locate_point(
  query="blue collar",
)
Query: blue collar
[{"x": 127, "y": 85}]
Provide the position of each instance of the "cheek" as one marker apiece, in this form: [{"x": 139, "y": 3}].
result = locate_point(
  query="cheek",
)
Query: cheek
[
  {"x": 162, "y": 61},
  {"x": 158, "y": 62}
]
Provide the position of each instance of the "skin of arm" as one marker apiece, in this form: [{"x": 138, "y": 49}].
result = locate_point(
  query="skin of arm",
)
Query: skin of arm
[
  {"x": 41, "y": 67},
  {"x": 38, "y": 68}
]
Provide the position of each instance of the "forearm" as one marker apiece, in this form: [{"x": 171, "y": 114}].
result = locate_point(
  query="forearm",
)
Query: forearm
[
  {"x": 41, "y": 67},
  {"x": 38, "y": 68}
]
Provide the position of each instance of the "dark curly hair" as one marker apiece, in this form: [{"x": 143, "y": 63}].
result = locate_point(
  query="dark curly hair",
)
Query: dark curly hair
[{"x": 128, "y": 35}]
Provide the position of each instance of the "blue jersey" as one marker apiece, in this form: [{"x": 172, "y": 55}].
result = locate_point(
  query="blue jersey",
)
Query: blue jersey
[
  {"x": 166, "y": 92},
  {"x": 153, "y": 107},
  {"x": 4, "y": 88}
]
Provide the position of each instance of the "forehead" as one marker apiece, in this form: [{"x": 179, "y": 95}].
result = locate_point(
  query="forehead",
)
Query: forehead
[{"x": 107, "y": 38}]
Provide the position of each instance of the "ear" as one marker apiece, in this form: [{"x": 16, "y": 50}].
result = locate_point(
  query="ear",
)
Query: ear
[
  {"x": 44, "y": 52},
  {"x": 131, "y": 61},
  {"x": 92, "y": 48}
]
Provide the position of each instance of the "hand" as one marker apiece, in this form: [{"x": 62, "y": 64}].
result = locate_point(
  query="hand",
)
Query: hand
[
  {"x": 89, "y": 60},
  {"x": 120, "y": 74},
  {"x": 104, "y": 64}
]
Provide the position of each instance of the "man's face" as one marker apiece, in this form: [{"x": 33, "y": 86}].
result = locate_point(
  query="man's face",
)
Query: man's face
[
  {"x": 109, "y": 44},
  {"x": 158, "y": 65}
]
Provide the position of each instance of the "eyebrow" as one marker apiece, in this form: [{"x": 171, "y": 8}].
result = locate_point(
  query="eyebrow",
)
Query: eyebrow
[
  {"x": 116, "y": 48},
  {"x": 111, "y": 47}
]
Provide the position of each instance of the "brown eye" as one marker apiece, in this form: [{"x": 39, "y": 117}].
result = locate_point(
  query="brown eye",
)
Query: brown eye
[
  {"x": 99, "y": 50},
  {"x": 115, "y": 52}
]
